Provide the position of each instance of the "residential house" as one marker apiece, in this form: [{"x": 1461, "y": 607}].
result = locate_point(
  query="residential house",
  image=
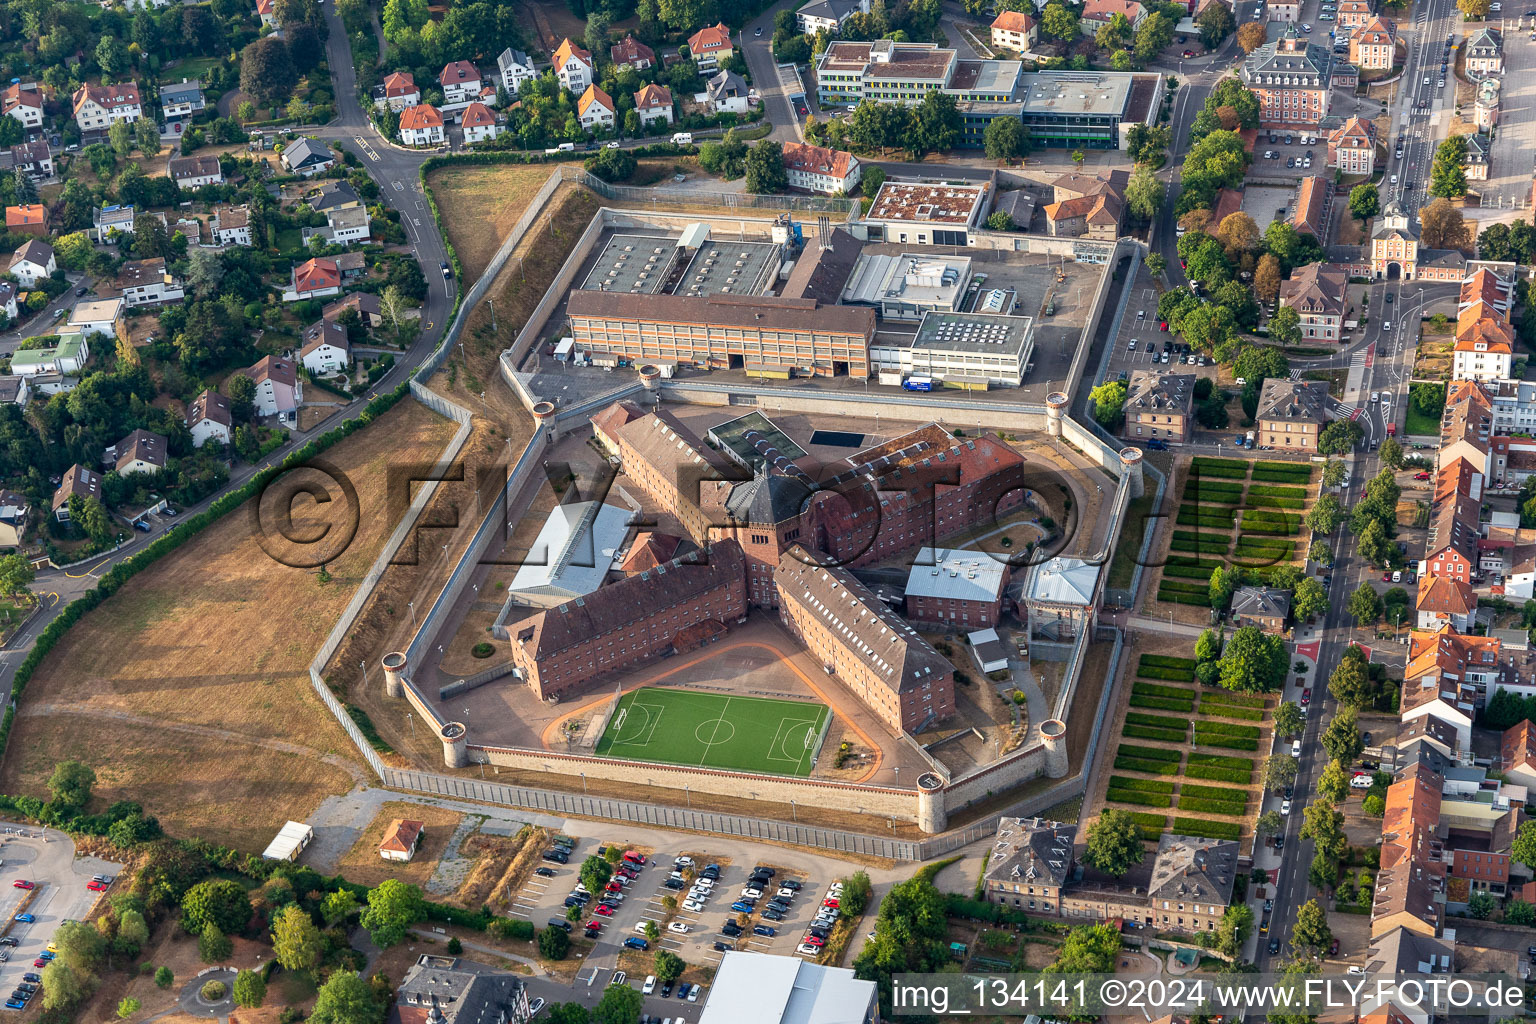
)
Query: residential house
[
  {"x": 1352, "y": 14},
  {"x": 1484, "y": 53},
  {"x": 1098, "y": 13},
  {"x": 478, "y": 123},
  {"x": 1476, "y": 164},
  {"x": 77, "y": 481},
  {"x": 421, "y": 125},
  {"x": 1313, "y": 207},
  {"x": 346, "y": 226},
  {"x": 1291, "y": 414},
  {"x": 1283, "y": 11},
  {"x": 33, "y": 158},
  {"x": 574, "y": 67},
  {"x": 1159, "y": 404},
  {"x": 25, "y": 105},
  {"x": 110, "y": 221},
  {"x": 266, "y": 10},
  {"x": 8, "y": 300},
  {"x": 819, "y": 169},
  {"x": 1352, "y": 147},
  {"x": 654, "y": 103},
  {"x": 16, "y": 391},
  {"x": 352, "y": 265},
  {"x": 1373, "y": 46},
  {"x": 279, "y": 390},
  {"x": 595, "y": 109},
  {"x": 13, "y": 518},
  {"x": 632, "y": 53},
  {"x": 1317, "y": 293},
  {"x": 516, "y": 67},
  {"x": 1485, "y": 285},
  {"x": 31, "y": 219},
  {"x": 180, "y": 102},
  {"x": 398, "y": 91},
  {"x": 98, "y": 316},
  {"x": 98, "y": 107},
  {"x": 209, "y": 419},
  {"x": 726, "y": 93},
  {"x": 401, "y": 839},
  {"x": 710, "y": 45},
  {"x": 366, "y": 305},
  {"x": 142, "y": 451},
  {"x": 1293, "y": 80},
  {"x": 1191, "y": 887},
  {"x": 1451, "y": 549},
  {"x": 1517, "y": 754},
  {"x": 1484, "y": 348},
  {"x": 1268, "y": 608},
  {"x": 1466, "y": 428},
  {"x": 68, "y": 356},
  {"x": 1030, "y": 863},
  {"x": 231, "y": 225},
  {"x": 1091, "y": 216},
  {"x": 147, "y": 283},
  {"x": 196, "y": 171},
  {"x": 314, "y": 279},
  {"x": 461, "y": 83},
  {"x": 33, "y": 262},
  {"x": 307, "y": 158},
  {"x": 1443, "y": 601},
  {"x": 827, "y": 15},
  {"x": 326, "y": 350},
  {"x": 439, "y": 990},
  {"x": 1015, "y": 30}
]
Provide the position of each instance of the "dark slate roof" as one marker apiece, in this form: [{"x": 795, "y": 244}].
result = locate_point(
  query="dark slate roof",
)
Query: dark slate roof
[
  {"x": 768, "y": 498},
  {"x": 822, "y": 272},
  {"x": 1031, "y": 850},
  {"x": 1265, "y": 601},
  {"x": 1193, "y": 868}
]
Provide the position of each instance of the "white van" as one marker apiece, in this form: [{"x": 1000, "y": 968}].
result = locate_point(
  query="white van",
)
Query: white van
[
  {"x": 1296, "y": 748},
  {"x": 567, "y": 147},
  {"x": 682, "y": 138}
]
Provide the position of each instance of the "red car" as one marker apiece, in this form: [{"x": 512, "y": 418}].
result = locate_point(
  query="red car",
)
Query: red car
[
  {"x": 1386, "y": 577},
  {"x": 830, "y": 901},
  {"x": 1421, "y": 476},
  {"x": 1189, "y": 53},
  {"x": 603, "y": 911},
  {"x": 594, "y": 926},
  {"x": 637, "y": 859},
  {"x": 39, "y": 962},
  {"x": 1306, "y": 696},
  {"x": 22, "y": 883},
  {"x": 613, "y": 887},
  {"x": 97, "y": 886},
  {"x": 814, "y": 940},
  {"x": 1163, "y": 326}
]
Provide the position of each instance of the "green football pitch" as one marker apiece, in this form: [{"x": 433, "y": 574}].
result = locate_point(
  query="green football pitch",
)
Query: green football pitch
[{"x": 710, "y": 730}]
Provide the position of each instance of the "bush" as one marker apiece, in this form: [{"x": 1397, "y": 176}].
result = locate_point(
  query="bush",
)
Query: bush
[
  {"x": 455, "y": 947},
  {"x": 1294, "y": 468},
  {"x": 1204, "y": 462},
  {"x": 482, "y": 650},
  {"x": 554, "y": 943},
  {"x": 1161, "y": 703},
  {"x": 1156, "y": 721},
  {"x": 1141, "y": 732},
  {"x": 164, "y": 976},
  {"x": 1289, "y": 503},
  {"x": 1140, "y": 785},
  {"x": 1154, "y": 690},
  {"x": 1228, "y": 742},
  {"x": 1241, "y": 700},
  {"x": 1148, "y": 753},
  {"x": 1229, "y": 796},
  {"x": 1237, "y": 776},
  {"x": 213, "y": 991},
  {"x": 1277, "y": 492},
  {"x": 1165, "y": 661},
  {"x": 1211, "y": 807},
  {"x": 1246, "y": 714},
  {"x": 1130, "y": 764},
  {"x": 1126, "y": 796},
  {"x": 1207, "y": 829},
  {"x": 512, "y": 928},
  {"x": 1274, "y": 477},
  {"x": 1226, "y": 729},
  {"x": 1222, "y": 761}
]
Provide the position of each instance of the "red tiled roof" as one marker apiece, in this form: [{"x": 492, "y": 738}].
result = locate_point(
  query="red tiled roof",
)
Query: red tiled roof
[
  {"x": 799, "y": 156},
  {"x": 657, "y": 96},
  {"x": 420, "y": 118},
  {"x": 458, "y": 72},
  {"x": 402, "y": 834},
  {"x": 399, "y": 83},
  {"x": 710, "y": 39},
  {"x": 591, "y": 96},
  {"x": 567, "y": 50},
  {"x": 314, "y": 274},
  {"x": 1014, "y": 21},
  {"x": 477, "y": 115}
]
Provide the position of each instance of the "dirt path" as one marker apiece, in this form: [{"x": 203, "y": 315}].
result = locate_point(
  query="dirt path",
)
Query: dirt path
[{"x": 206, "y": 731}]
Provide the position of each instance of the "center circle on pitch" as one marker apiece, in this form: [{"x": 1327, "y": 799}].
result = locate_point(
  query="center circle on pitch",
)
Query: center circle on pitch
[{"x": 716, "y": 730}]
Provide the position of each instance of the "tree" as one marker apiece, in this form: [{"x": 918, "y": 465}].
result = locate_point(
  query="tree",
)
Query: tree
[
  {"x": 1342, "y": 738},
  {"x": 652, "y": 931},
  {"x": 1391, "y": 453},
  {"x": 70, "y": 785},
  {"x": 1441, "y": 226},
  {"x": 1279, "y": 772},
  {"x": 1308, "y": 599},
  {"x": 1253, "y": 661},
  {"x": 296, "y": 942},
  {"x": 1523, "y": 848},
  {"x": 1113, "y": 844},
  {"x": 213, "y": 945},
  {"x": 346, "y": 998},
  {"x": 267, "y": 71},
  {"x": 1088, "y": 949},
  {"x": 569, "y": 1013},
  {"x": 1374, "y": 805},
  {"x": 250, "y": 990},
  {"x": 1289, "y": 721},
  {"x": 1266, "y": 278},
  {"x": 669, "y": 966},
  {"x": 1270, "y": 823},
  {"x": 1339, "y": 437},
  {"x": 127, "y": 1007},
  {"x": 1350, "y": 682},
  {"x": 1251, "y": 36},
  {"x": 1144, "y": 194},
  {"x": 1447, "y": 173},
  {"x": 393, "y": 907},
  {"x": 132, "y": 932},
  {"x": 936, "y": 125},
  {"x": 1285, "y": 326},
  {"x": 245, "y": 112},
  {"x": 1237, "y": 234},
  {"x": 1156, "y": 264},
  {"x": 595, "y": 872},
  {"x": 553, "y": 943},
  {"x": 1000, "y": 220},
  {"x": 1519, "y": 912},
  {"x": 1475, "y": 10},
  {"x": 1481, "y": 904},
  {"x": 1207, "y": 646},
  {"x": 620, "y": 1004},
  {"x": 392, "y": 306},
  {"x": 219, "y": 901},
  {"x": 1215, "y": 25},
  {"x": 1224, "y": 583},
  {"x": 1235, "y": 927},
  {"x": 1320, "y": 552},
  {"x": 164, "y": 977},
  {"x": 1324, "y": 825},
  {"x": 1333, "y": 783},
  {"x": 1365, "y": 605},
  {"x": 1364, "y": 201},
  {"x": 765, "y": 169},
  {"x": 1003, "y": 138},
  {"x": 1108, "y": 401},
  {"x": 1310, "y": 935},
  {"x": 1059, "y": 22},
  {"x": 120, "y": 138},
  {"x": 1334, "y": 473},
  {"x": 147, "y": 136},
  {"x": 64, "y": 986}
]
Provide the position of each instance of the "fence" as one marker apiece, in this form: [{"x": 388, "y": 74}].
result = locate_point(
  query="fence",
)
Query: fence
[
  {"x": 649, "y": 197},
  {"x": 468, "y": 683}
]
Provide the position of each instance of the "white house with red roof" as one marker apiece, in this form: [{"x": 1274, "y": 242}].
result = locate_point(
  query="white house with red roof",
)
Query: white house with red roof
[
  {"x": 266, "y": 10},
  {"x": 398, "y": 91},
  {"x": 595, "y": 109},
  {"x": 654, "y": 103},
  {"x": 1097, "y": 13},
  {"x": 479, "y": 123},
  {"x": 421, "y": 125},
  {"x": 98, "y": 107},
  {"x": 631, "y": 52},
  {"x": 573, "y": 66},
  {"x": 1352, "y": 146},
  {"x": 710, "y": 45},
  {"x": 819, "y": 169},
  {"x": 25, "y": 105},
  {"x": 314, "y": 279},
  {"x": 461, "y": 83},
  {"x": 1015, "y": 30}
]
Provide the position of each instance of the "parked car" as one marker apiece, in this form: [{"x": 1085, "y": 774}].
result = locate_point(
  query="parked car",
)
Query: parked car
[
  {"x": 636, "y": 942},
  {"x": 22, "y": 883}
]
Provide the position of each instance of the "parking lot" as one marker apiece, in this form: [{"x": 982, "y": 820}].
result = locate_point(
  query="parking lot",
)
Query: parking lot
[
  {"x": 45, "y": 860},
  {"x": 1140, "y": 331}
]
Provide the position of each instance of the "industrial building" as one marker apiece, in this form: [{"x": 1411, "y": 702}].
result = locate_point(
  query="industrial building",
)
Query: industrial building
[
  {"x": 922, "y": 214},
  {"x": 907, "y": 286},
  {"x": 756, "y": 988},
  {"x": 572, "y": 554},
  {"x": 973, "y": 350},
  {"x": 691, "y": 264}
]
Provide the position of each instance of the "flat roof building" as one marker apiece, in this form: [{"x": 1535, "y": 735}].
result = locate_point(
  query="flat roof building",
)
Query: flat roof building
[
  {"x": 907, "y": 286},
  {"x": 757, "y": 988},
  {"x": 969, "y": 349},
  {"x": 922, "y": 214},
  {"x": 753, "y": 440},
  {"x": 289, "y": 842},
  {"x": 639, "y": 264},
  {"x": 1087, "y": 109},
  {"x": 572, "y": 554}
]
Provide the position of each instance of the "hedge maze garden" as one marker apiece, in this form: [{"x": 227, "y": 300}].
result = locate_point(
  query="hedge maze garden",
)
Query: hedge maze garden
[
  {"x": 1233, "y": 513},
  {"x": 1187, "y": 749}
]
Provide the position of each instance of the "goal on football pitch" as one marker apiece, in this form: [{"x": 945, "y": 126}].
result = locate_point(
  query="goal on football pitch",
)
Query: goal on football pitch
[{"x": 713, "y": 730}]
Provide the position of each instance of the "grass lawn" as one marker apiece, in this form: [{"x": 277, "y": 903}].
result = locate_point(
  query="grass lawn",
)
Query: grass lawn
[
  {"x": 1418, "y": 424},
  {"x": 687, "y": 727}
]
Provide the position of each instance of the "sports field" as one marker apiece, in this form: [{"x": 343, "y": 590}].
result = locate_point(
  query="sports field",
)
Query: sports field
[{"x": 710, "y": 730}]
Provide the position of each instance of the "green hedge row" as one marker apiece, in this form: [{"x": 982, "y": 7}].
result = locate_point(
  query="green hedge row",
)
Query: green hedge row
[
  {"x": 1130, "y": 764},
  {"x": 1141, "y": 732},
  {"x": 1167, "y": 661},
  {"x": 1207, "y": 472},
  {"x": 1148, "y": 753},
  {"x": 1186, "y": 572},
  {"x": 1162, "y": 703},
  {"x": 1152, "y": 825},
  {"x": 1262, "y": 515},
  {"x": 1186, "y": 587},
  {"x": 1242, "y": 700},
  {"x": 1196, "y": 563},
  {"x": 1207, "y": 829},
  {"x": 1274, "y": 477},
  {"x": 1228, "y": 711},
  {"x": 1266, "y": 551},
  {"x": 1213, "y": 536},
  {"x": 1209, "y": 461},
  {"x": 1228, "y": 729},
  {"x": 1126, "y": 796},
  {"x": 1167, "y": 673},
  {"x": 1154, "y": 690},
  {"x": 1212, "y": 807},
  {"x": 1193, "y": 600},
  {"x": 1234, "y": 775},
  {"x": 1155, "y": 721},
  {"x": 1266, "y": 530},
  {"x": 1222, "y": 761},
  {"x": 1194, "y": 548},
  {"x": 174, "y": 538},
  {"x": 1301, "y": 469},
  {"x": 1140, "y": 785},
  {"x": 1225, "y": 796},
  {"x": 1193, "y": 517},
  {"x": 1258, "y": 490},
  {"x": 1296, "y": 504},
  {"x": 1219, "y": 500},
  {"x": 1227, "y": 742}
]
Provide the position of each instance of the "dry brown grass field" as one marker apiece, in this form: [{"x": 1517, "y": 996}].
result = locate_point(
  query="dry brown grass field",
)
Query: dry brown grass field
[
  {"x": 363, "y": 863},
  {"x": 188, "y": 690},
  {"x": 479, "y": 205}
]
